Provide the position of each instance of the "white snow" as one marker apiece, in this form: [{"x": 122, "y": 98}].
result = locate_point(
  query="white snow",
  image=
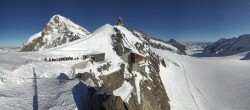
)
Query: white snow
[
  {"x": 89, "y": 83},
  {"x": 192, "y": 83},
  {"x": 149, "y": 88},
  {"x": 124, "y": 91},
  {"x": 56, "y": 29},
  {"x": 164, "y": 44},
  {"x": 206, "y": 83},
  {"x": 34, "y": 37},
  {"x": 138, "y": 79},
  {"x": 54, "y": 89}
]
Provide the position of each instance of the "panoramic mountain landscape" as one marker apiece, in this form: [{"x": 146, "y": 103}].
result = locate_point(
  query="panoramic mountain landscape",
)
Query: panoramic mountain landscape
[
  {"x": 92, "y": 55},
  {"x": 117, "y": 68}
]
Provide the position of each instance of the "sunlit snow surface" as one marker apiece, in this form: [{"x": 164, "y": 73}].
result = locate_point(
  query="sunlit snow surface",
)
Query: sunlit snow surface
[
  {"x": 191, "y": 82},
  {"x": 48, "y": 89},
  {"x": 206, "y": 83},
  {"x": 52, "y": 87}
]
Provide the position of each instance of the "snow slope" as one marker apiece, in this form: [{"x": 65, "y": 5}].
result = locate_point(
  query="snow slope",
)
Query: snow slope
[
  {"x": 207, "y": 83},
  {"x": 28, "y": 83},
  {"x": 20, "y": 88}
]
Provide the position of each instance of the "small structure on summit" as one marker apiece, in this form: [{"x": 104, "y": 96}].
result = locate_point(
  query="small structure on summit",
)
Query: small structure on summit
[
  {"x": 97, "y": 57},
  {"x": 138, "y": 62},
  {"x": 135, "y": 60},
  {"x": 120, "y": 22}
]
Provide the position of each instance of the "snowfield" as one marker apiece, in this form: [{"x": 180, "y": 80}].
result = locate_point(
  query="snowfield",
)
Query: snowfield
[
  {"x": 207, "y": 83},
  {"x": 29, "y": 83},
  {"x": 26, "y": 81},
  {"x": 192, "y": 83}
]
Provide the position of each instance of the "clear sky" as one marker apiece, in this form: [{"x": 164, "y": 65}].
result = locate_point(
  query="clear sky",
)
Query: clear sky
[{"x": 184, "y": 20}]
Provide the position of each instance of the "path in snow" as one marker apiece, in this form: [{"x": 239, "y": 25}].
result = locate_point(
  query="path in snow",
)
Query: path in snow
[
  {"x": 216, "y": 83},
  {"x": 213, "y": 78},
  {"x": 188, "y": 82}
]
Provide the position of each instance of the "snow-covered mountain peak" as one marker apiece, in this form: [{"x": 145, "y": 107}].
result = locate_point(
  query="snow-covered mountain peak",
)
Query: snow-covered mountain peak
[
  {"x": 229, "y": 46},
  {"x": 58, "y": 31},
  {"x": 57, "y": 18},
  {"x": 59, "y": 23},
  {"x": 106, "y": 27}
]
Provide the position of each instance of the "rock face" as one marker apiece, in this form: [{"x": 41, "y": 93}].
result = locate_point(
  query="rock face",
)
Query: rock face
[
  {"x": 175, "y": 47},
  {"x": 106, "y": 102},
  {"x": 154, "y": 98},
  {"x": 229, "y": 46},
  {"x": 180, "y": 46},
  {"x": 58, "y": 31},
  {"x": 139, "y": 90},
  {"x": 118, "y": 42}
]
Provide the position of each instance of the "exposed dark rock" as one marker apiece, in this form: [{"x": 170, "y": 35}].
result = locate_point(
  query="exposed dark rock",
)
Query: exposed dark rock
[
  {"x": 148, "y": 41},
  {"x": 118, "y": 42},
  {"x": 34, "y": 45},
  {"x": 180, "y": 46},
  {"x": 120, "y": 22},
  {"x": 114, "y": 103},
  {"x": 86, "y": 75},
  {"x": 106, "y": 102},
  {"x": 104, "y": 67},
  {"x": 114, "y": 80},
  {"x": 156, "y": 98},
  {"x": 163, "y": 63}
]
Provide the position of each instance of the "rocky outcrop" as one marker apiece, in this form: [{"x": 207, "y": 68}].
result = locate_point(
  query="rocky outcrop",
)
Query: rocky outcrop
[
  {"x": 106, "y": 102},
  {"x": 180, "y": 46},
  {"x": 158, "y": 99},
  {"x": 34, "y": 45},
  {"x": 152, "y": 94},
  {"x": 102, "y": 97},
  {"x": 120, "y": 22},
  {"x": 160, "y": 44},
  {"x": 117, "y": 39}
]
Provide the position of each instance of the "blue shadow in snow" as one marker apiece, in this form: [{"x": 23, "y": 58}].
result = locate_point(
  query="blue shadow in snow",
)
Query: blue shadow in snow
[
  {"x": 62, "y": 78},
  {"x": 35, "y": 97},
  {"x": 80, "y": 93}
]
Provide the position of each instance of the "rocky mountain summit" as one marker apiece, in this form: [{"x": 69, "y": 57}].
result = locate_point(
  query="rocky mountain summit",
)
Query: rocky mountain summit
[
  {"x": 229, "y": 46},
  {"x": 58, "y": 31},
  {"x": 120, "y": 67},
  {"x": 136, "y": 83}
]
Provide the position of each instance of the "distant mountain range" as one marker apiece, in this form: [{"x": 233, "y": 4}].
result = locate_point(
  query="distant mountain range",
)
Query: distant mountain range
[
  {"x": 231, "y": 46},
  {"x": 60, "y": 30},
  {"x": 115, "y": 68}
]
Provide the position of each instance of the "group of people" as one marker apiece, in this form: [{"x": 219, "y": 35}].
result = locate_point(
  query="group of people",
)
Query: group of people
[{"x": 60, "y": 59}]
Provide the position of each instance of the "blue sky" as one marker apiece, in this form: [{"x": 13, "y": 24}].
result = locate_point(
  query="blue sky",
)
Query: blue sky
[{"x": 184, "y": 20}]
